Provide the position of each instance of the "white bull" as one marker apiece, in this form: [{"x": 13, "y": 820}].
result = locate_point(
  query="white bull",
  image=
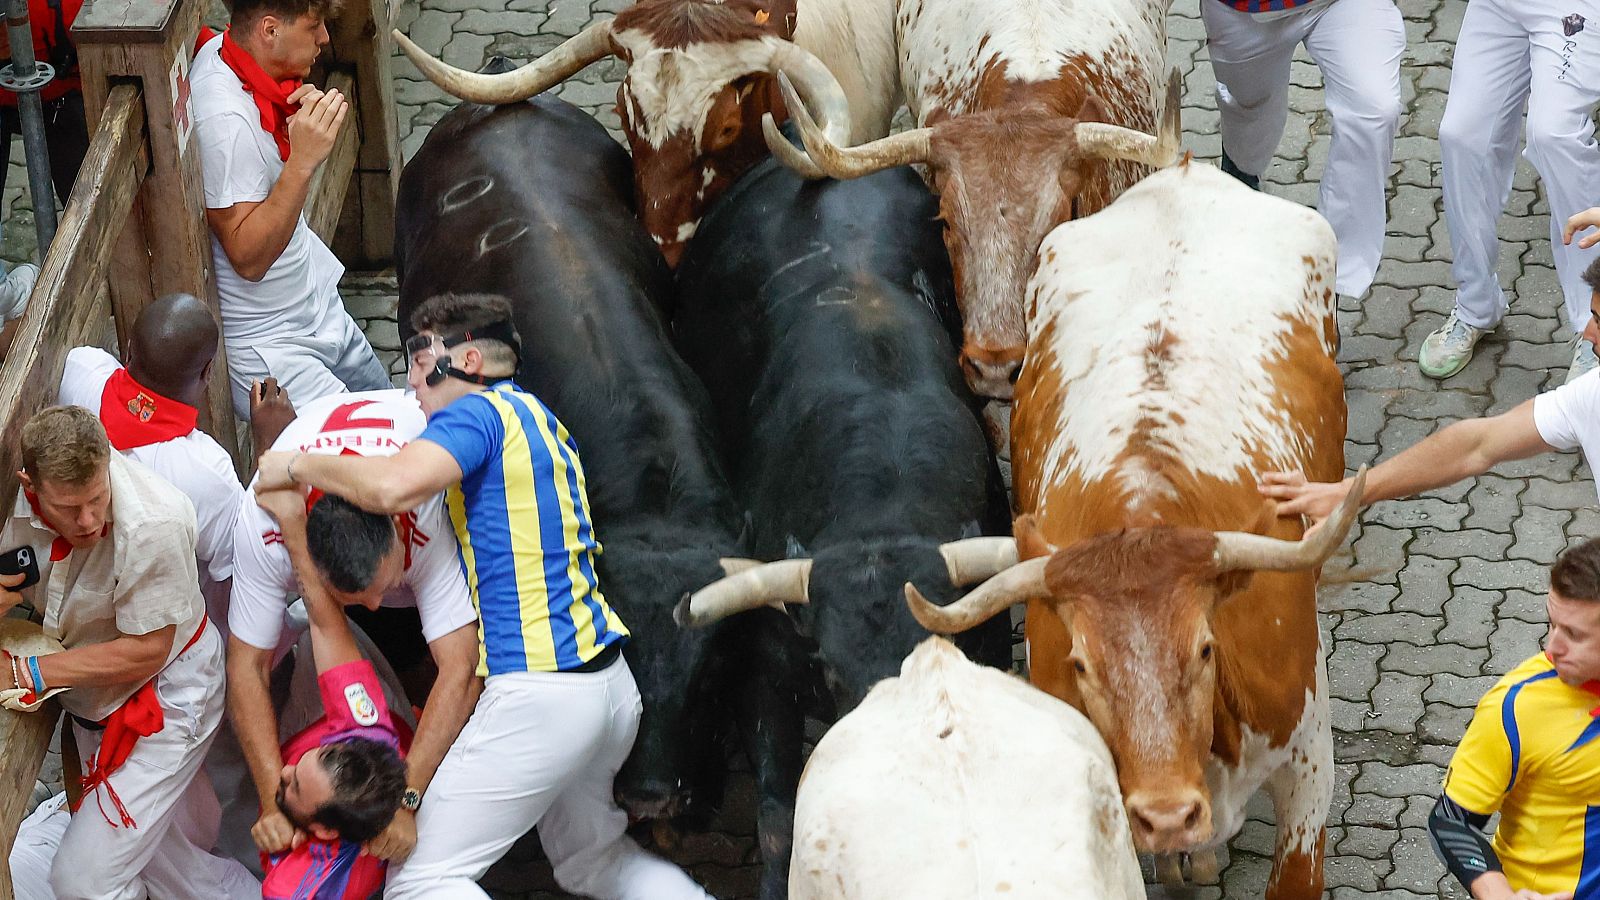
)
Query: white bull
[{"x": 955, "y": 780}]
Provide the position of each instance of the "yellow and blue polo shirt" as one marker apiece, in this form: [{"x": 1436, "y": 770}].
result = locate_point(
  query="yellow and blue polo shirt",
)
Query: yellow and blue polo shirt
[
  {"x": 521, "y": 515},
  {"x": 1531, "y": 754}
]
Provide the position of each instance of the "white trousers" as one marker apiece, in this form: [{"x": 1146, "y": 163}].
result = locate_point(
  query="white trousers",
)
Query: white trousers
[
  {"x": 1512, "y": 53},
  {"x": 540, "y": 749},
  {"x": 174, "y": 810},
  {"x": 1357, "y": 44},
  {"x": 331, "y": 360}
]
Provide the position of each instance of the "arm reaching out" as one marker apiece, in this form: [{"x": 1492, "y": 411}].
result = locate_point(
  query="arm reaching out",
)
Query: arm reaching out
[{"x": 1461, "y": 450}]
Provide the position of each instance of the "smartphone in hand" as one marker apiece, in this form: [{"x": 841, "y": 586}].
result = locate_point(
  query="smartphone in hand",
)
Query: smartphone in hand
[{"x": 20, "y": 560}]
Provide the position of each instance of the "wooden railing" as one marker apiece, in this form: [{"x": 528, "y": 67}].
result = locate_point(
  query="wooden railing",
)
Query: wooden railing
[{"x": 134, "y": 230}]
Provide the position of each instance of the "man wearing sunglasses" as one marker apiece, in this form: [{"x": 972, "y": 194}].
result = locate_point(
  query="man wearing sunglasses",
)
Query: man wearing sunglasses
[{"x": 560, "y": 709}]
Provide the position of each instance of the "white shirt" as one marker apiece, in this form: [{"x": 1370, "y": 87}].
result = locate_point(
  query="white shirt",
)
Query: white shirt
[
  {"x": 370, "y": 423},
  {"x": 1569, "y": 416},
  {"x": 195, "y": 464},
  {"x": 240, "y": 164},
  {"x": 138, "y": 579}
]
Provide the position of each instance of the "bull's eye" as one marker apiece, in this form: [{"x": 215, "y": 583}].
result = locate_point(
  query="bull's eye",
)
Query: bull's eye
[
  {"x": 1078, "y": 666},
  {"x": 1205, "y": 653}
]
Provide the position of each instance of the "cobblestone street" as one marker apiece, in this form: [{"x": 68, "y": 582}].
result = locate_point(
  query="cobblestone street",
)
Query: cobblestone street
[{"x": 1437, "y": 597}]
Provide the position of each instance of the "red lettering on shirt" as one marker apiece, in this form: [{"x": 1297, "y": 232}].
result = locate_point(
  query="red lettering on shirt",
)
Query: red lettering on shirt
[{"x": 343, "y": 418}]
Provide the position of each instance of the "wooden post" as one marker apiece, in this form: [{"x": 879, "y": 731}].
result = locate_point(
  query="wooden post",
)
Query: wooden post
[
  {"x": 64, "y": 312},
  {"x": 166, "y": 246},
  {"x": 361, "y": 44}
]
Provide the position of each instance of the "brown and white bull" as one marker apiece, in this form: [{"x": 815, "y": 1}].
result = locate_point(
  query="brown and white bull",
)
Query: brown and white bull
[
  {"x": 955, "y": 780},
  {"x": 998, "y": 90},
  {"x": 1181, "y": 342},
  {"x": 700, "y": 79}
]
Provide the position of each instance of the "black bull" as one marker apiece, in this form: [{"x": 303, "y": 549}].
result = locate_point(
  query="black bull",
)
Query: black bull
[
  {"x": 821, "y": 318},
  {"x": 533, "y": 201}
]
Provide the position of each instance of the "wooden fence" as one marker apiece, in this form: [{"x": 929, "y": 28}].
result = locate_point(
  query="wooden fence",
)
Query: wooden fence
[{"x": 134, "y": 229}]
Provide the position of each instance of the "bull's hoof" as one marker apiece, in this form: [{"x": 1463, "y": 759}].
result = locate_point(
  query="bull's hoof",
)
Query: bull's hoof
[
  {"x": 1203, "y": 867},
  {"x": 1169, "y": 869}
]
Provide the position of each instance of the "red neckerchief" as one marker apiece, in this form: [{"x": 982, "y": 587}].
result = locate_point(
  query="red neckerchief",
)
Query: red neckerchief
[
  {"x": 271, "y": 97},
  {"x": 60, "y": 547},
  {"x": 139, "y": 716},
  {"x": 135, "y": 416}
]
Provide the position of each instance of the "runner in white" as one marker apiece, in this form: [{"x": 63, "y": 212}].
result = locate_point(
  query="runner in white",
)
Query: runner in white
[
  {"x": 1357, "y": 44},
  {"x": 403, "y": 560},
  {"x": 1543, "y": 55},
  {"x": 277, "y": 281}
]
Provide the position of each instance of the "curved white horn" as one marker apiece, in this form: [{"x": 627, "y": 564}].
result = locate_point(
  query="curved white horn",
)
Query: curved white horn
[
  {"x": 811, "y": 79},
  {"x": 733, "y": 565},
  {"x": 549, "y": 70},
  {"x": 972, "y": 560},
  {"x": 769, "y": 584},
  {"x": 1021, "y": 582},
  {"x": 842, "y": 162},
  {"x": 1239, "y": 550},
  {"x": 1116, "y": 142}
]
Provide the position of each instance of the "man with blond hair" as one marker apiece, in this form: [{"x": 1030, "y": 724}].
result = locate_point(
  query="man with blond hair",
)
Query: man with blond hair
[{"x": 142, "y": 670}]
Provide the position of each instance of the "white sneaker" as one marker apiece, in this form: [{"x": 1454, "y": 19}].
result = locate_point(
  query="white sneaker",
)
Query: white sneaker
[
  {"x": 1583, "y": 360},
  {"x": 1448, "y": 350},
  {"x": 16, "y": 289}
]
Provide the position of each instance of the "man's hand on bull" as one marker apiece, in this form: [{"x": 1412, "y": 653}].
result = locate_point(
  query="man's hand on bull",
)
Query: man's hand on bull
[
  {"x": 398, "y": 840},
  {"x": 314, "y": 128},
  {"x": 273, "y": 833},
  {"x": 270, "y": 412},
  {"x": 1296, "y": 496}
]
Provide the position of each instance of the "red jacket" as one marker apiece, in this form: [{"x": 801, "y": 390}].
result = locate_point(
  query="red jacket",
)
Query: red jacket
[{"x": 47, "y": 47}]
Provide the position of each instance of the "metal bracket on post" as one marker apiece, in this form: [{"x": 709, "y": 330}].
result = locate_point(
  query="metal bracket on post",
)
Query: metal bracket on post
[{"x": 26, "y": 76}]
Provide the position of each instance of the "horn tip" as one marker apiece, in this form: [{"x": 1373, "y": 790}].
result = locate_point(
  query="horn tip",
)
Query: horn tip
[{"x": 683, "y": 613}]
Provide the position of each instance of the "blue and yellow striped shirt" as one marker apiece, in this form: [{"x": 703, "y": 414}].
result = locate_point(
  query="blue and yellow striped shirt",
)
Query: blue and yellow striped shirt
[{"x": 521, "y": 514}]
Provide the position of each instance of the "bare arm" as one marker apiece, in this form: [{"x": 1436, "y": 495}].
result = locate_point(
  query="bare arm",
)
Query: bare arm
[
  {"x": 131, "y": 658},
  {"x": 381, "y": 484},
  {"x": 254, "y": 235},
  {"x": 332, "y": 644},
  {"x": 450, "y": 703},
  {"x": 1461, "y": 450},
  {"x": 255, "y": 724}
]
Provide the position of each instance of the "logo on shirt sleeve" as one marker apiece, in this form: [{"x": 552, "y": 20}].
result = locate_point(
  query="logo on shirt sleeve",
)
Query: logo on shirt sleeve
[{"x": 362, "y": 709}]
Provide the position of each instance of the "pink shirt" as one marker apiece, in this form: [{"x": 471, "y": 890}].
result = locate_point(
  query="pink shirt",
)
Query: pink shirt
[{"x": 353, "y": 706}]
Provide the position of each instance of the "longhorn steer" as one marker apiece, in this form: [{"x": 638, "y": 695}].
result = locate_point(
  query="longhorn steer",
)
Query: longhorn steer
[
  {"x": 999, "y": 91},
  {"x": 531, "y": 201},
  {"x": 1165, "y": 373},
  {"x": 957, "y": 781},
  {"x": 820, "y": 317},
  {"x": 698, "y": 81}
]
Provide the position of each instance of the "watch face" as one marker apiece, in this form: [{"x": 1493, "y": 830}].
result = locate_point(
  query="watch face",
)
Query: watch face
[{"x": 410, "y": 800}]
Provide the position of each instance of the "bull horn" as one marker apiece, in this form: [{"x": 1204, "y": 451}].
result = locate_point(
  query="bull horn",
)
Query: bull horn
[
  {"x": 733, "y": 565},
  {"x": 549, "y": 70},
  {"x": 1116, "y": 142},
  {"x": 1238, "y": 550},
  {"x": 811, "y": 78},
  {"x": 977, "y": 559},
  {"x": 769, "y": 584},
  {"x": 1020, "y": 582},
  {"x": 835, "y": 161}
]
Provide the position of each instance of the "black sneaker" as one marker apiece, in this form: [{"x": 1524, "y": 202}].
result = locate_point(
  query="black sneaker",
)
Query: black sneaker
[{"x": 1253, "y": 182}]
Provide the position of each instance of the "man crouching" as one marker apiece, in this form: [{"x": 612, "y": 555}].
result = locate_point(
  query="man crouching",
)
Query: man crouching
[{"x": 142, "y": 669}]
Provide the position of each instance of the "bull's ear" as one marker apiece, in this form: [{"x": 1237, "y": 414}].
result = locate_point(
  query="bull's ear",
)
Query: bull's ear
[{"x": 1092, "y": 110}]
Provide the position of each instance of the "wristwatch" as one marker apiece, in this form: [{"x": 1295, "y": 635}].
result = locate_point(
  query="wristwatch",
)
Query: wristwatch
[{"x": 411, "y": 800}]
